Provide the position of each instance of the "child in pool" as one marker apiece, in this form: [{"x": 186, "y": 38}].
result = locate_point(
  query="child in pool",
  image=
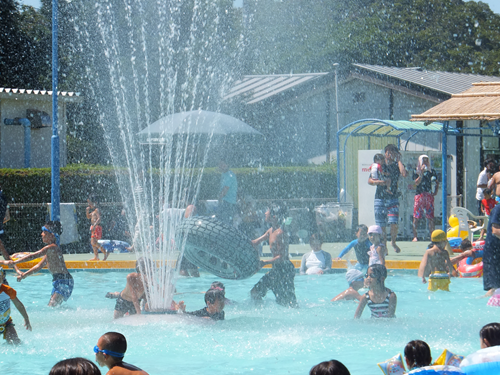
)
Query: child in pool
[
  {"x": 214, "y": 299},
  {"x": 356, "y": 281},
  {"x": 417, "y": 354},
  {"x": 381, "y": 300},
  {"x": 377, "y": 249},
  {"x": 332, "y": 367},
  {"x": 7, "y": 329},
  {"x": 490, "y": 335},
  {"x": 436, "y": 263},
  {"x": 52, "y": 256}
]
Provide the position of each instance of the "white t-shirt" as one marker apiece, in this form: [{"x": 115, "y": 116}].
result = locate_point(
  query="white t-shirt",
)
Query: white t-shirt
[
  {"x": 481, "y": 180},
  {"x": 315, "y": 262}
]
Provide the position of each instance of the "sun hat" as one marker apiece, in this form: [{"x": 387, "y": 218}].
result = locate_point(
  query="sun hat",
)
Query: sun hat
[
  {"x": 375, "y": 229},
  {"x": 438, "y": 235}
]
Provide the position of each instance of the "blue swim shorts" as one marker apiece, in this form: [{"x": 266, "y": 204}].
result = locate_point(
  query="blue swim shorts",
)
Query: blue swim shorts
[
  {"x": 392, "y": 207},
  {"x": 380, "y": 212},
  {"x": 63, "y": 286}
]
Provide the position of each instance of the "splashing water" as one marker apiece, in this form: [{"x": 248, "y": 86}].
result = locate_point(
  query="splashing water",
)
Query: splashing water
[{"x": 145, "y": 60}]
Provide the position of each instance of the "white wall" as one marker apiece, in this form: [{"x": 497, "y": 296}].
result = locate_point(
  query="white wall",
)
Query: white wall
[{"x": 12, "y": 136}]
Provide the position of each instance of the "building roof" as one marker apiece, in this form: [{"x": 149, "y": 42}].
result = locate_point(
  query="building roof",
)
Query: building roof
[
  {"x": 252, "y": 89},
  {"x": 387, "y": 128},
  {"x": 481, "y": 102},
  {"x": 445, "y": 82},
  {"x": 9, "y": 93}
]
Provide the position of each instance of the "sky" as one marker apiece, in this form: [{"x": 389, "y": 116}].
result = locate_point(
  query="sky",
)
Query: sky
[{"x": 494, "y": 4}]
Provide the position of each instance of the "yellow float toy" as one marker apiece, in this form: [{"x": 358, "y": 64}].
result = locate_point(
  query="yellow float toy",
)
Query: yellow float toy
[{"x": 454, "y": 228}]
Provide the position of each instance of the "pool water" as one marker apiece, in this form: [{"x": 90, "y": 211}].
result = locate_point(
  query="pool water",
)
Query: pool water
[{"x": 266, "y": 340}]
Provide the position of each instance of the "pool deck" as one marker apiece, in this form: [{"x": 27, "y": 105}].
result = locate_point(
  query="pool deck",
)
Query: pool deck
[{"x": 408, "y": 259}]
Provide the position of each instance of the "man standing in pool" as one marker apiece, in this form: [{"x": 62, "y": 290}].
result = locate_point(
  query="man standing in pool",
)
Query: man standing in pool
[
  {"x": 281, "y": 278},
  {"x": 62, "y": 281},
  {"x": 94, "y": 214}
]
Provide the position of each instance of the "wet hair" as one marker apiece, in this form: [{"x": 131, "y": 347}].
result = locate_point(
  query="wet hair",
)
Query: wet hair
[
  {"x": 75, "y": 366},
  {"x": 465, "y": 245},
  {"x": 54, "y": 226},
  {"x": 213, "y": 295},
  {"x": 491, "y": 332},
  {"x": 315, "y": 236},
  {"x": 418, "y": 354},
  {"x": 487, "y": 191},
  {"x": 379, "y": 271},
  {"x": 332, "y": 367},
  {"x": 218, "y": 284},
  {"x": 142, "y": 263},
  {"x": 114, "y": 342},
  {"x": 391, "y": 148},
  {"x": 378, "y": 157},
  {"x": 363, "y": 227},
  {"x": 488, "y": 161}
]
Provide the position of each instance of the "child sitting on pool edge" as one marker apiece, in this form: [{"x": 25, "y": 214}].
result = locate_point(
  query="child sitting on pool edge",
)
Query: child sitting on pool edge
[
  {"x": 381, "y": 300},
  {"x": 7, "y": 329},
  {"x": 214, "y": 299}
]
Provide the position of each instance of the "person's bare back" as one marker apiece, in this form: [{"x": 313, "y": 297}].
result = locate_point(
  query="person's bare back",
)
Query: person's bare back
[
  {"x": 494, "y": 183},
  {"x": 435, "y": 260}
]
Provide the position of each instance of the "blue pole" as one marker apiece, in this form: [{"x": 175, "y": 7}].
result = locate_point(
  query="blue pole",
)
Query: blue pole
[
  {"x": 444, "y": 168},
  {"x": 55, "y": 191},
  {"x": 27, "y": 141}
]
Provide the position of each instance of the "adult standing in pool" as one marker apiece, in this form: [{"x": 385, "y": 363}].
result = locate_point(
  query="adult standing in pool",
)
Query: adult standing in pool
[
  {"x": 227, "y": 194},
  {"x": 281, "y": 277},
  {"x": 491, "y": 253}
]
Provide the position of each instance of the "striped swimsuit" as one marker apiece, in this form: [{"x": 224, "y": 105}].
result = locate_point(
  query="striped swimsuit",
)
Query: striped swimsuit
[{"x": 379, "y": 310}]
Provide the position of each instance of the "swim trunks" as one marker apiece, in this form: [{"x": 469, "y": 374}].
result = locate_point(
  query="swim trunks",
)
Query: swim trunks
[
  {"x": 439, "y": 280},
  {"x": 392, "y": 207},
  {"x": 380, "y": 212},
  {"x": 62, "y": 283},
  {"x": 96, "y": 232},
  {"x": 125, "y": 306},
  {"x": 423, "y": 201},
  {"x": 3, "y": 327},
  {"x": 280, "y": 281}
]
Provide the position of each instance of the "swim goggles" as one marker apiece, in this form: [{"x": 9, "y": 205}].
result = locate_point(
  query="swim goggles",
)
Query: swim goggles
[
  {"x": 108, "y": 352},
  {"x": 45, "y": 229}
]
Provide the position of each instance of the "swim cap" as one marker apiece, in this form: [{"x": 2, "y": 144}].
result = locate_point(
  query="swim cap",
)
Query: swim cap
[
  {"x": 438, "y": 235},
  {"x": 353, "y": 275},
  {"x": 375, "y": 229}
]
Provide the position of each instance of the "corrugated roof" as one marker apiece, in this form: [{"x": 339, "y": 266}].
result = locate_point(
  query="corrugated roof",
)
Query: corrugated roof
[
  {"x": 252, "y": 89},
  {"x": 481, "y": 102},
  {"x": 13, "y": 93},
  {"x": 387, "y": 128},
  {"x": 445, "y": 82}
]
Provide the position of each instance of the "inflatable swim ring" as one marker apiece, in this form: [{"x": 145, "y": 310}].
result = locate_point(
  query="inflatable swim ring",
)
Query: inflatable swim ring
[
  {"x": 483, "y": 362},
  {"x": 112, "y": 246},
  {"x": 437, "y": 370},
  {"x": 217, "y": 248},
  {"x": 473, "y": 267}
]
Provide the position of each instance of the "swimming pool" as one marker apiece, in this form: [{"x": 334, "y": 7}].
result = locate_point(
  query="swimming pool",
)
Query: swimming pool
[{"x": 267, "y": 340}]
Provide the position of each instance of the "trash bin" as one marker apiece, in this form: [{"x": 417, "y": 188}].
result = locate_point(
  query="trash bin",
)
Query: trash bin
[{"x": 333, "y": 219}]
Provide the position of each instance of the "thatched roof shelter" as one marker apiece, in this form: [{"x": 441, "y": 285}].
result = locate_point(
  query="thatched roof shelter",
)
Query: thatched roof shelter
[{"x": 481, "y": 102}]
